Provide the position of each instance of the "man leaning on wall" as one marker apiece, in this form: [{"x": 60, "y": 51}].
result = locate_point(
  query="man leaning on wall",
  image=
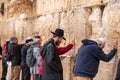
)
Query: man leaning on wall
[{"x": 89, "y": 56}]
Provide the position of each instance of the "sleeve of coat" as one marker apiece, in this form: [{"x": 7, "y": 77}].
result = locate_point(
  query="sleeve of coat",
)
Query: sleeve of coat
[
  {"x": 0, "y": 50},
  {"x": 62, "y": 50},
  {"x": 105, "y": 57},
  {"x": 51, "y": 60}
]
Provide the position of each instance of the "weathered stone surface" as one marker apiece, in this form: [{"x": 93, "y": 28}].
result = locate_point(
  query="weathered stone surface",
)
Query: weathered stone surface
[
  {"x": 95, "y": 20},
  {"x": 51, "y": 6},
  {"x": 88, "y": 3},
  {"x": 114, "y": 1},
  {"x": 17, "y": 7},
  {"x": 79, "y": 18}
]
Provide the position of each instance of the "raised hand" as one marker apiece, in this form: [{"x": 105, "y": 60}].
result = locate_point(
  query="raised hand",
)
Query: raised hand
[
  {"x": 115, "y": 44},
  {"x": 73, "y": 41}
]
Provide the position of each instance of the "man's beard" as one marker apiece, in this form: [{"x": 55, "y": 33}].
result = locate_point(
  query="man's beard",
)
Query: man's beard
[{"x": 57, "y": 43}]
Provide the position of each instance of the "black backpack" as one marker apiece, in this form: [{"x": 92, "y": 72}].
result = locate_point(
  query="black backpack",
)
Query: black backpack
[
  {"x": 8, "y": 56},
  {"x": 30, "y": 59},
  {"x": 44, "y": 49}
]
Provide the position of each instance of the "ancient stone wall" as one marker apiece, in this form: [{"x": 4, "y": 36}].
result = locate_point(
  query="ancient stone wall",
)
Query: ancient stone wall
[{"x": 79, "y": 18}]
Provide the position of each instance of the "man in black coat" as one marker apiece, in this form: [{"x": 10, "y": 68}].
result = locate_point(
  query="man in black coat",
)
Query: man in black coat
[
  {"x": 15, "y": 57},
  {"x": 52, "y": 67}
]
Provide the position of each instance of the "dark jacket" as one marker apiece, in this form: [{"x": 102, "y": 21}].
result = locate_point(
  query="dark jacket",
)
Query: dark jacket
[
  {"x": 15, "y": 52},
  {"x": 88, "y": 58},
  {"x": 23, "y": 56},
  {"x": 0, "y": 50},
  {"x": 52, "y": 67}
]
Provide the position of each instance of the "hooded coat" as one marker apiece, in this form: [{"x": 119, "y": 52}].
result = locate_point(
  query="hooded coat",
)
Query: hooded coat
[
  {"x": 52, "y": 67},
  {"x": 88, "y": 59}
]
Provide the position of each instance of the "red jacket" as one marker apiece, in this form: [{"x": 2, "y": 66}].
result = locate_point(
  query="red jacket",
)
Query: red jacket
[
  {"x": 60, "y": 50},
  {"x": 4, "y": 49}
]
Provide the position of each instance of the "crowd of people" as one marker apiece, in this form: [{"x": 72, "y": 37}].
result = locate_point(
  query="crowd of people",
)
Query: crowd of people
[
  {"x": 43, "y": 62},
  {"x": 47, "y": 60}
]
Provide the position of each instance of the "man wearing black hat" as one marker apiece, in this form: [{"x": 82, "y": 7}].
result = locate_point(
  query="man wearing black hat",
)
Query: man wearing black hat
[{"x": 52, "y": 67}]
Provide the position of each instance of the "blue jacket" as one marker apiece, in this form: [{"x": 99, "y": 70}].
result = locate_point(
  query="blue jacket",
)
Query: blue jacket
[
  {"x": 88, "y": 58},
  {"x": 23, "y": 56}
]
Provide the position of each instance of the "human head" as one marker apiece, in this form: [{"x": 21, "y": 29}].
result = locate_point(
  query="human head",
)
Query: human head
[
  {"x": 28, "y": 39},
  {"x": 38, "y": 39},
  {"x": 58, "y": 35},
  {"x": 101, "y": 42},
  {"x": 14, "y": 40}
]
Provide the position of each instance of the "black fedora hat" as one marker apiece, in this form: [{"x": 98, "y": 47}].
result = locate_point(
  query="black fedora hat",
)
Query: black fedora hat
[{"x": 59, "y": 32}]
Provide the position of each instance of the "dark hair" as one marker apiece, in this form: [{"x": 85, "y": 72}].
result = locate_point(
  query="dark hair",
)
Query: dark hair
[
  {"x": 55, "y": 36},
  {"x": 13, "y": 38},
  {"x": 37, "y": 37},
  {"x": 27, "y": 41}
]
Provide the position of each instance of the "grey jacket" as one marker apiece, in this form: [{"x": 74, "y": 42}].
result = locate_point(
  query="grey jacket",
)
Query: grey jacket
[{"x": 37, "y": 55}]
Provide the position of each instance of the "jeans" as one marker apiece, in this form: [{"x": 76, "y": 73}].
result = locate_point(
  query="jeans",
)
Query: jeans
[{"x": 26, "y": 73}]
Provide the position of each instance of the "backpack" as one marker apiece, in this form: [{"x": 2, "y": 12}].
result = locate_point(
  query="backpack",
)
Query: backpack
[
  {"x": 44, "y": 49},
  {"x": 30, "y": 59},
  {"x": 8, "y": 56}
]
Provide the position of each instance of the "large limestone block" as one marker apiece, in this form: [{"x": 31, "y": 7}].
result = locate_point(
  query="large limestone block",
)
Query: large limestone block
[
  {"x": 51, "y": 6},
  {"x": 8, "y": 30},
  {"x": 78, "y": 25},
  {"x": 95, "y": 20},
  {"x": 28, "y": 26},
  {"x": 14, "y": 28},
  {"x": 88, "y": 3},
  {"x": 17, "y": 7},
  {"x": 75, "y": 3},
  {"x": 111, "y": 18}
]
